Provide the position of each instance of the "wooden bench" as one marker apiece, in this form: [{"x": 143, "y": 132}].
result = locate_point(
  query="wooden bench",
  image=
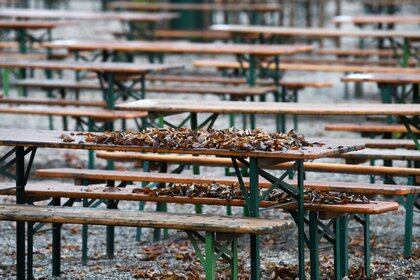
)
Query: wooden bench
[
  {"x": 357, "y": 52},
  {"x": 307, "y": 67},
  {"x": 202, "y": 35},
  {"x": 369, "y": 128},
  {"x": 51, "y": 102},
  {"x": 230, "y": 226},
  {"x": 86, "y": 85}
]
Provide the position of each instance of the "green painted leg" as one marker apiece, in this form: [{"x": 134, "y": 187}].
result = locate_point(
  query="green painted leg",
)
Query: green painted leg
[
  {"x": 5, "y": 74},
  {"x": 254, "y": 211},
  {"x": 313, "y": 248},
  {"x": 337, "y": 250},
  {"x": 210, "y": 263},
  {"x": 366, "y": 234},
  {"x": 295, "y": 117},
  {"x": 110, "y": 230},
  {"x": 85, "y": 237},
  {"x": 344, "y": 245},
  {"x": 408, "y": 234},
  {"x": 56, "y": 245},
  {"x": 234, "y": 264},
  {"x": 196, "y": 168},
  {"x": 301, "y": 221},
  {"x": 146, "y": 168}
]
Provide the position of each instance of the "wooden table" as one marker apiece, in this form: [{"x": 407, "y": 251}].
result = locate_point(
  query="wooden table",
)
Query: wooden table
[
  {"x": 163, "y": 107},
  {"x": 391, "y": 86},
  {"x": 26, "y": 142},
  {"x": 22, "y": 29},
  {"x": 280, "y": 33},
  {"x": 129, "y": 20}
]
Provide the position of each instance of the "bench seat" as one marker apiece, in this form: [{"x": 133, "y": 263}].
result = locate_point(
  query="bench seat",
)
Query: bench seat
[
  {"x": 75, "y": 215},
  {"x": 86, "y": 85},
  {"x": 51, "y": 102},
  {"x": 309, "y": 67},
  {"x": 383, "y": 154},
  {"x": 224, "y": 162},
  {"x": 368, "y": 128},
  {"x": 93, "y": 113},
  {"x": 357, "y": 52}
]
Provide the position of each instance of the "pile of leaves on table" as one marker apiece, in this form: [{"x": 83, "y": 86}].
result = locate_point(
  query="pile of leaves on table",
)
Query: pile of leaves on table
[
  {"x": 185, "y": 138},
  {"x": 230, "y": 192}
]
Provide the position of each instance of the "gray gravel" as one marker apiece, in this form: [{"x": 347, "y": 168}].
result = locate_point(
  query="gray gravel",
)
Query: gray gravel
[{"x": 173, "y": 258}]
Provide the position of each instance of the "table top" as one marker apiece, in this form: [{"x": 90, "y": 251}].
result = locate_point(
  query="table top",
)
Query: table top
[
  {"x": 246, "y": 107},
  {"x": 28, "y": 24},
  {"x": 129, "y": 5},
  {"x": 105, "y": 67},
  {"x": 178, "y": 47},
  {"x": 384, "y": 78},
  {"x": 386, "y": 154},
  {"x": 52, "y": 139},
  {"x": 84, "y": 15},
  {"x": 314, "y": 32},
  {"x": 377, "y": 19}
]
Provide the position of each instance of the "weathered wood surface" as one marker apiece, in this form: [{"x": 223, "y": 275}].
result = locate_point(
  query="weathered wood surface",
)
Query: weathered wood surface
[
  {"x": 368, "y": 128},
  {"x": 309, "y": 166},
  {"x": 84, "y": 15},
  {"x": 75, "y": 215},
  {"x": 314, "y": 32},
  {"x": 51, "y": 139},
  {"x": 105, "y": 67},
  {"x": 307, "y": 67},
  {"x": 51, "y": 102},
  {"x": 136, "y": 176},
  {"x": 265, "y": 85},
  {"x": 96, "y": 114},
  {"x": 33, "y": 24},
  {"x": 383, "y": 78},
  {"x": 237, "y": 7},
  {"x": 385, "y": 154},
  {"x": 217, "y": 90},
  {"x": 178, "y": 47},
  {"x": 244, "y": 107},
  {"x": 357, "y": 52},
  {"x": 377, "y": 19},
  {"x": 101, "y": 192},
  {"x": 188, "y": 34}
]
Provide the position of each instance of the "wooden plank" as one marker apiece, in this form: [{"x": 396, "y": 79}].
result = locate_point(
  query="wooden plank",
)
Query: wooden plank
[
  {"x": 385, "y": 154},
  {"x": 116, "y": 67},
  {"x": 84, "y": 15},
  {"x": 357, "y": 52},
  {"x": 377, "y": 19},
  {"x": 97, "y": 114},
  {"x": 244, "y": 107},
  {"x": 383, "y": 78},
  {"x": 52, "y": 139},
  {"x": 26, "y": 24},
  {"x": 134, "y": 176},
  {"x": 178, "y": 47},
  {"x": 314, "y": 32},
  {"x": 307, "y": 67},
  {"x": 368, "y": 128},
  {"x": 309, "y": 166},
  {"x": 75, "y": 215},
  {"x": 51, "y": 102},
  {"x": 236, "y": 7}
]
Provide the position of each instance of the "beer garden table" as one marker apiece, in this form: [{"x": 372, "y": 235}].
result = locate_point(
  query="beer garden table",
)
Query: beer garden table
[
  {"x": 280, "y": 33},
  {"x": 132, "y": 20},
  {"x": 26, "y": 142}
]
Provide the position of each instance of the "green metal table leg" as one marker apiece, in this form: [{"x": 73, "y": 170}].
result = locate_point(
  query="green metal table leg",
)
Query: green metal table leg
[
  {"x": 234, "y": 264},
  {"x": 251, "y": 82},
  {"x": 146, "y": 168},
  {"x": 406, "y": 53},
  {"x": 313, "y": 247},
  {"x": 22, "y": 36},
  {"x": 110, "y": 230},
  {"x": 254, "y": 211},
  {"x": 301, "y": 220},
  {"x": 367, "y": 250},
  {"x": 337, "y": 250},
  {"x": 196, "y": 168},
  {"x": 20, "y": 226},
  {"x": 344, "y": 245},
  {"x": 408, "y": 234},
  {"x": 30, "y": 250},
  {"x": 56, "y": 244},
  {"x": 5, "y": 74},
  {"x": 210, "y": 263},
  {"x": 295, "y": 117},
  {"x": 91, "y": 153},
  {"x": 85, "y": 237}
]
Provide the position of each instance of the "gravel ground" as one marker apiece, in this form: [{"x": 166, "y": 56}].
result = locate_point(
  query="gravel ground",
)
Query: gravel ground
[{"x": 174, "y": 258}]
